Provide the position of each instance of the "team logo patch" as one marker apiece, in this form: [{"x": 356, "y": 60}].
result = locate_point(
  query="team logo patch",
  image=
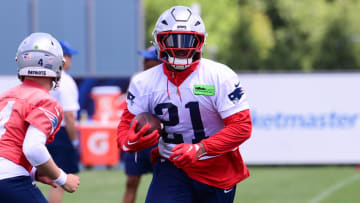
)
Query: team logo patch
[
  {"x": 52, "y": 117},
  {"x": 208, "y": 90},
  {"x": 130, "y": 97},
  {"x": 236, "y": 95}
]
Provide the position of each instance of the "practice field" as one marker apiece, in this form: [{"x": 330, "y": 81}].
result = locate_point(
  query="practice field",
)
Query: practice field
[{"x": 324, "y": 184}]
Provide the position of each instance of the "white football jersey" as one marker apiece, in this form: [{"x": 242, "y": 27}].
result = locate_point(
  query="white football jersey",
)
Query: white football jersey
[{"x": 208, "y": 95}]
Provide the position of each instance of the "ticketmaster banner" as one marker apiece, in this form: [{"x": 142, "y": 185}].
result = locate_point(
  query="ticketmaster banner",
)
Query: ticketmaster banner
[{"x": 303, "y": 118}]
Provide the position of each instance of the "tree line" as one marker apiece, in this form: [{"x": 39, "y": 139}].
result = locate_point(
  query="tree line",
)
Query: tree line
[{"x": 275, "y": 35}]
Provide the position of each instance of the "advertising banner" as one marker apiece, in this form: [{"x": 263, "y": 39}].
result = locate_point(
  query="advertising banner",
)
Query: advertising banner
[{"x": 303, "y": 118}]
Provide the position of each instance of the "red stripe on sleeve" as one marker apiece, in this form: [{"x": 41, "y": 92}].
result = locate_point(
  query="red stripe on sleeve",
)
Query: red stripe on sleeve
[{"x": 236, "y": 131}]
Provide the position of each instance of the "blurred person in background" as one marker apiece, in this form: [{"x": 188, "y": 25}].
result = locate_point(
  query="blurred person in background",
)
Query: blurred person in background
[
  {"x": 204, "y": 109},
  {"x": 64, "y": 149},
  {"x": 150, "y": 58},
  {"x": 30, "y": 118},
  {"x": 136, "y": 167}
]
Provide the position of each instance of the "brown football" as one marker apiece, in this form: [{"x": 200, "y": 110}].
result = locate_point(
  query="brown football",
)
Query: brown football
[{"x": 146, "y": 117}]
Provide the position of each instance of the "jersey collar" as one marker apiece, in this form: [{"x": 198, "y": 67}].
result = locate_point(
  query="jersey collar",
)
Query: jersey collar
[{"x": 177, "y": 78}]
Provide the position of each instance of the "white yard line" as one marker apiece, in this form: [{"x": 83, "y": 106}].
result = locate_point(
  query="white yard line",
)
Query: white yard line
[{"x": 333, "y": 188}]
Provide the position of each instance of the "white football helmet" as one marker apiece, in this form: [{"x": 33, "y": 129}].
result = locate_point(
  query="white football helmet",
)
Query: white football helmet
[
  {"x": 179, "y": 37},
  {"x": 40, "y": 55}
]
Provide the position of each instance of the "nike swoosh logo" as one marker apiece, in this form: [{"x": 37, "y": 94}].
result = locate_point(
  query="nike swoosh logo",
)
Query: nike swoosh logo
[
  {"x": 131, "y": 143},
  {"x": 227, "y": 191}
]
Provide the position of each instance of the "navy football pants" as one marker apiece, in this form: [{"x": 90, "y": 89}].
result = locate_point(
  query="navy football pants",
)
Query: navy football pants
[
  {"x": 20, "y": 190},
  {"x": 143, "y": 164},
  {"x": 172, "y": 185}
]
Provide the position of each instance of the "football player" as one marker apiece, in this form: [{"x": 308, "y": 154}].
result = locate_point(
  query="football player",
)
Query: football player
[
  {"x": 29, "y": 118},
  {"x": 205, "y": 112}
]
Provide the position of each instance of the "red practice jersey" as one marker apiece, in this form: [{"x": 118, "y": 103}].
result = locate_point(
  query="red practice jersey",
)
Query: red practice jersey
[{"x": 26, "y": 104}]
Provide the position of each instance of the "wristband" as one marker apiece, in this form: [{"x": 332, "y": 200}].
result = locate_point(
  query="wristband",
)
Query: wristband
[
  {"x": 61, "y": 180},
  {"x": 33, "y": 174}
]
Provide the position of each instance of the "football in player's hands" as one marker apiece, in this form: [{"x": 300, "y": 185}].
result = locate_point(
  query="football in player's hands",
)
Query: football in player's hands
[{"x": 146, "y": 117}]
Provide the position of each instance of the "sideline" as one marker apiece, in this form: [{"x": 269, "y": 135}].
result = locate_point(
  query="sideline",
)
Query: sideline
[{"x": 333, "y": 188}]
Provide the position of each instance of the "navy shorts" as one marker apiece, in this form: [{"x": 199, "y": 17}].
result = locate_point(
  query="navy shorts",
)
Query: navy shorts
[
  {"x": 19, "y": 190},
  {"x": 63, "y": 152},
  {"x": 172, "y": 185},
  {"x": 141, "y": 166}
]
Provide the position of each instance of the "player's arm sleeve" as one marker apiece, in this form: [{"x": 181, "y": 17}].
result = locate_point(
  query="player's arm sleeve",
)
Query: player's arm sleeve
[
  {"x": 231, "y": 104},
  {"x": 237, "y": 130},
  {"x": 123, "y": 127},
  {"x": 34, "y": 146}
]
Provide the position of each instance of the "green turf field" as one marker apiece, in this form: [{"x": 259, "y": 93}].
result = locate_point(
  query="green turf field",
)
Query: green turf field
[{"x": 265, "y": 185}]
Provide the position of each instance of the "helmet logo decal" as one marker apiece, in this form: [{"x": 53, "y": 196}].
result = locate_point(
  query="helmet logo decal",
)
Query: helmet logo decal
[
  {"x": 37, "y": 72},
  {"x": 36, "y": 47}
]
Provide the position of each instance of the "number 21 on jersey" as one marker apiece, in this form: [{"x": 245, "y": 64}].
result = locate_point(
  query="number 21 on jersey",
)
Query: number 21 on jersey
[{"x": 195, "y": 116}]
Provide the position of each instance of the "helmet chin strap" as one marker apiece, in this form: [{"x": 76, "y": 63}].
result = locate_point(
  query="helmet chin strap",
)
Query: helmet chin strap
[
  {"x": 55, "y": 83},
  {"x": 180, "y": 61}
]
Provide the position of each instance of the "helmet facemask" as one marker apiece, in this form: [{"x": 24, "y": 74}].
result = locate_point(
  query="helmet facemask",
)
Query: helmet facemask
[{"x": 180, "y": 49}]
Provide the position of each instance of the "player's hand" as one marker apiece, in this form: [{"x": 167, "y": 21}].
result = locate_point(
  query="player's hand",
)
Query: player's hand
[
  {"x": 186, "y": 154},
  {"x": 137, "y": 141},
  {"x": 72, "y": 183},
  {"x": 44, "y": 179}
]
